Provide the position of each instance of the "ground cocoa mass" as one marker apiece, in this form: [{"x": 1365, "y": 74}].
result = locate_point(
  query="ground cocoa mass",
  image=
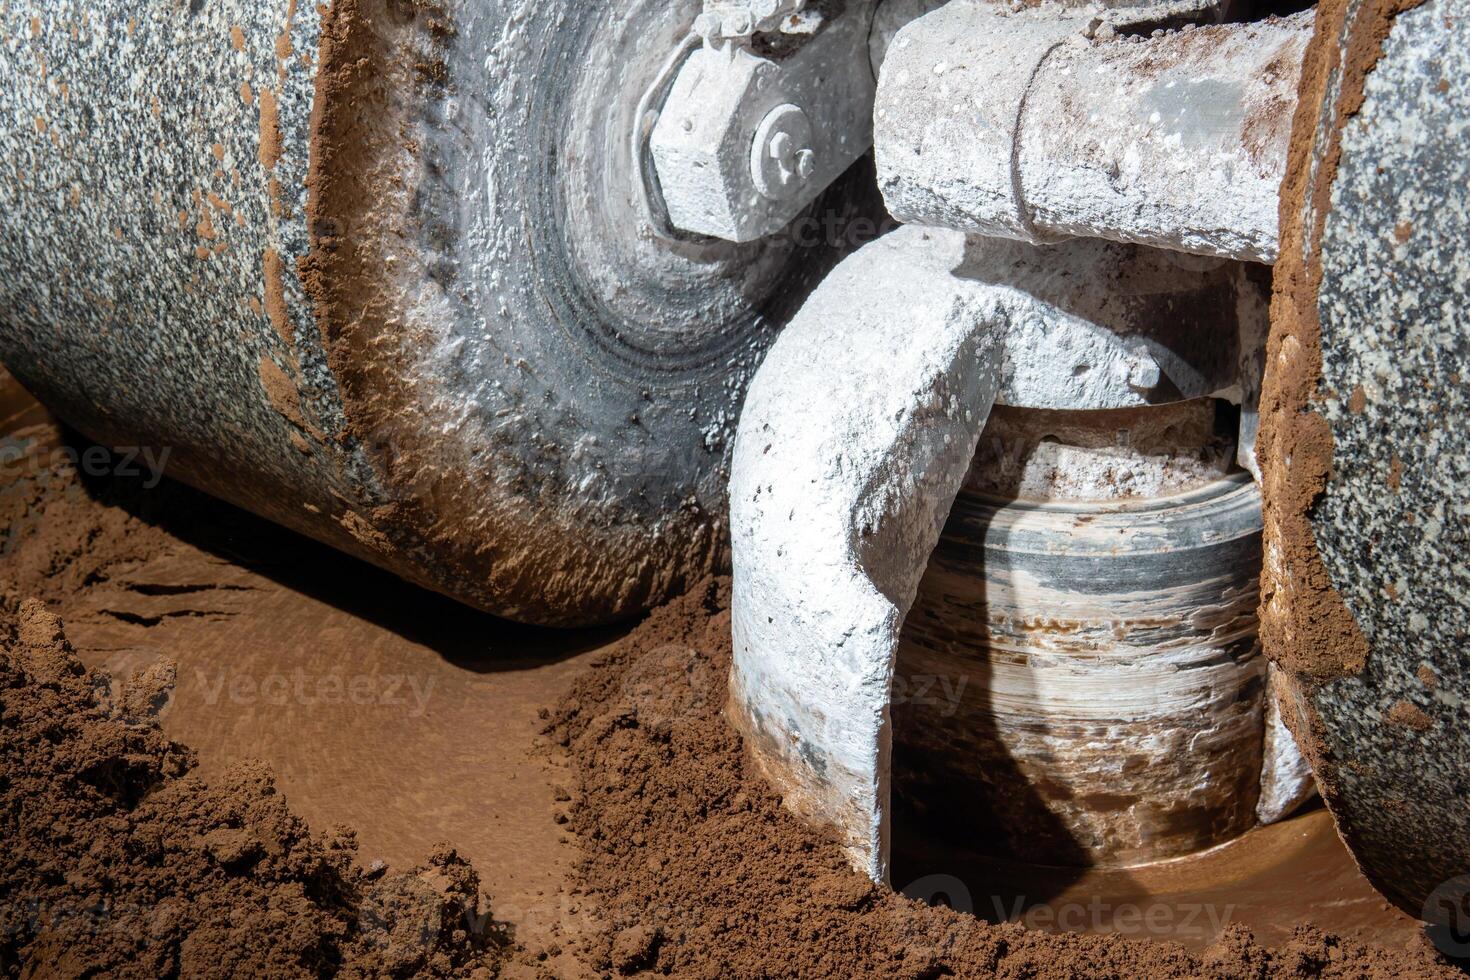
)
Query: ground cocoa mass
[
  {"x": 118, "y": 862},
  {"x": 700, "y": 872},
  {"x": 120, "y": 859}
]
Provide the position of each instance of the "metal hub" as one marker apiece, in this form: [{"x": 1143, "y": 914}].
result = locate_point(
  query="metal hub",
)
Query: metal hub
[
  {"x": 750, "y": 134},
  {"x": 1079, "y": 681},
  {"x": 782, "y": 160}
]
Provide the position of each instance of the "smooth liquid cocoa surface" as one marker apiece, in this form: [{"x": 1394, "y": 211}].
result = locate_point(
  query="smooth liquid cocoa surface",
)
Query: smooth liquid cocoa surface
[{"x": 617, "y": 832}]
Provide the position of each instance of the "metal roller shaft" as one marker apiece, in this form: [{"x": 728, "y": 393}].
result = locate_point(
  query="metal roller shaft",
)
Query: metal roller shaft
[{"x": 1035, "y": 126}]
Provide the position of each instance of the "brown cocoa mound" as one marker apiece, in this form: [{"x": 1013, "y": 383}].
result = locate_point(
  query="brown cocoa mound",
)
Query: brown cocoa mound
[
  {"x": 117, "y": 861},
  {"x": 698, "y": 871}
]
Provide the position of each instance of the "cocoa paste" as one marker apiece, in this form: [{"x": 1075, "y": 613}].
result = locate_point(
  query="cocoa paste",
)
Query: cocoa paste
[
  {"x": 119, "y": 862},
  {"x": 1305, "y": 625},
  {"x": 698, "y": 870}
]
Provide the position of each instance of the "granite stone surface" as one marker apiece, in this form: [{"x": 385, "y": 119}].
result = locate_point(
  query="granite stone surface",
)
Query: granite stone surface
[{"x": 1392, "y": 526}]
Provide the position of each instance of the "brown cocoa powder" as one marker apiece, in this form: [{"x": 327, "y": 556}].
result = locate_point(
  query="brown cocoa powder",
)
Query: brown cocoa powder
[
  {"x": 119, "y": 862},
  {"x": 270, "y": 130},
  {"x": 284, "y": 396},
  {"x": 1409, "y": 716},
  {"x": 275, "y": 296},
  {"x": 691, "y": 865}
]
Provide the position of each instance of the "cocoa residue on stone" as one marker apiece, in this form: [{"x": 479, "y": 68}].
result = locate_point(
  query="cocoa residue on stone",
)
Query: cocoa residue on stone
[
  {"x": 698, "y": 871},
  {"x": 275, "y": 296},
  {"x": 118, "y": 861},
  {"x": 1408, "y": 715},
  {"x": 270, "y": 130},
  {"x": 1305, "y": 625},
  {"x": 284, "y": 396}
]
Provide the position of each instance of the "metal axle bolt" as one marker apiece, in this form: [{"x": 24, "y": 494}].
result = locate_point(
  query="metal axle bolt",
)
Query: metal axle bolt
[
  {"x": 781, "y": 156},
  {"x": 738, "y": 19}
]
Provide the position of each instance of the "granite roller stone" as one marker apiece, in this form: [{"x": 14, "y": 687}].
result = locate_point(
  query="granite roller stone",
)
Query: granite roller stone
[
  {"x": 380, "y": 270},
  {"x": 1364, "y": 450}
]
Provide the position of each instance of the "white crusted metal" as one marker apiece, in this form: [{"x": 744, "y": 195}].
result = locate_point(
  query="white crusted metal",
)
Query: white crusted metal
[
  {"x": 950, "y": 103},
  {"x": 781, "y": 157},
  {"x": 1019, "y": 123},
  {"x": 738, "y": 19},
  {"x": 888, "y": 19},
  {"x": 856, "y": 435},
  {"x": 704, "y": 141},
  {"x": 1287, "y": 782},
  {"x": 1097, "y": 324},
  {"x": 1136, "y": 16}
]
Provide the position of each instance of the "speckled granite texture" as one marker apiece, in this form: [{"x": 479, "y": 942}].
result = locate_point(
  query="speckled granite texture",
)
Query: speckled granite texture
[
  {"x": 1392, "y": 526},
  {"x": 490, "y": 374},
  {"x": 140, "y": 209}
]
